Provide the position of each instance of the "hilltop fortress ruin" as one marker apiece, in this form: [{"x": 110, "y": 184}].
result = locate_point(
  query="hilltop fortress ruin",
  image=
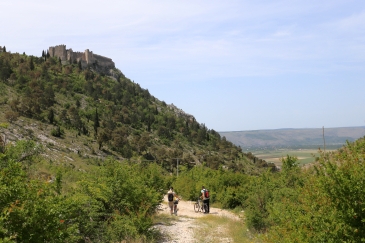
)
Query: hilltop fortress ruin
[{"x": 87, "y": 58}]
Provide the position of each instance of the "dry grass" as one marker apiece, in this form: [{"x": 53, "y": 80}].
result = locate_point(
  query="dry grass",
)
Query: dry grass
[{"x": 222, "y": 229}]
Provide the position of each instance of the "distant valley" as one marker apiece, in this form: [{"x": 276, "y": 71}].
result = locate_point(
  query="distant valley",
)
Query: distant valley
[
  {"x": 272, "y": 145},
  {"x": 310, "y": 138}
]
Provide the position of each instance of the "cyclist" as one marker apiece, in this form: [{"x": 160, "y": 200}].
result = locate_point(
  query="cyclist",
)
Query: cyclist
[
  {"x": 205, "y": 199},
  {"x": 173, "y": 200}
]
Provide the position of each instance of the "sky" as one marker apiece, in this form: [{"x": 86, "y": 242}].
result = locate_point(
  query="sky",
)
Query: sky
[{"x": 234, "y": 65}]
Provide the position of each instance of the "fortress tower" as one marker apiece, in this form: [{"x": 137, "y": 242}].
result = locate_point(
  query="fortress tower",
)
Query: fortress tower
[
  {"x": 87, "y": 58},
  {"x": 58, "y": 51}
]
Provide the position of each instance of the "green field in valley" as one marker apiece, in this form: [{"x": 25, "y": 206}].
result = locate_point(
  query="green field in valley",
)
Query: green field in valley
[{"x": 304, "y": 156}]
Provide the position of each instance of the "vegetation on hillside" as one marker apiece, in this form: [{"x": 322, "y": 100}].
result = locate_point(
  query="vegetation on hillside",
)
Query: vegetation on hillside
[
  {"x": 110, "y": 115},
  {"x": 85, "y": 157},
  {"x": 110, "y": 203}
]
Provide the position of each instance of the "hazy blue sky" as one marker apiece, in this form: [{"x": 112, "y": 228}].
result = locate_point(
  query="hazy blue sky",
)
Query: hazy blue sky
[{"x": 234, "y": 65}]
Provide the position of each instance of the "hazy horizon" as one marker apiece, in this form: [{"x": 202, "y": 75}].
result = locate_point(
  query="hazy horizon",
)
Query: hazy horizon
[{"x": 292, "y": 128}]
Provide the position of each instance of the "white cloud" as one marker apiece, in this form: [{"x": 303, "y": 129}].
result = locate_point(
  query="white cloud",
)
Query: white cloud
[{"x": 166, "y": 43}]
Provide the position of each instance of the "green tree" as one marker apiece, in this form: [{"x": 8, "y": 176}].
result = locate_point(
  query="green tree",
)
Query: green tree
[
  {"x": 5, "y": 69},
  {"x": 289, "y": 162},
  {"x": 49, "y": 96},
  {"x": 57, "y": 132},
  {"x": 103, "y": 137},
  {"x": 50, "y": 115},
  {"x": 75, "y": 118},
  {"x": 96, "y": 122},
  {"x": 141, "y": 143},
  {"x": 31, "y": 64}
]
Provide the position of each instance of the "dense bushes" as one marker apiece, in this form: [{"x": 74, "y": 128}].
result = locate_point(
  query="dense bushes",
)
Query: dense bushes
[
  {"x": 324, "y": 203},
  {"x": 30, "y": 209},
  {"x": 111, "y": 203},
  {"x": 226, "y": 188},
  {"x": 116, "y": 200},
  {"x": 126, "y": 196},
  {"x": 330, "y": 205}
]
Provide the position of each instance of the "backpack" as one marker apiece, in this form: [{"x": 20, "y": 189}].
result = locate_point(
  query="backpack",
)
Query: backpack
[
  {"x": 170, "y": 197},
  {"x": 206, "y": 193}
]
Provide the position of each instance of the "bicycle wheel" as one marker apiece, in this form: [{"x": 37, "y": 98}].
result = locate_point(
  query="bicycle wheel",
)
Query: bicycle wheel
[{"x": 196, "y": 207}]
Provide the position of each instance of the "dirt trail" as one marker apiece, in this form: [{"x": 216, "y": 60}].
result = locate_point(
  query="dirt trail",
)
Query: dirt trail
[{"x": 182, "y": 228}]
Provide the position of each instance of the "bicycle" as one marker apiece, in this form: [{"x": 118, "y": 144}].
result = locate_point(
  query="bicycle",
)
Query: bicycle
[
  {"x": 199, "y": 206},
  {"x": 175, "y": 205}
]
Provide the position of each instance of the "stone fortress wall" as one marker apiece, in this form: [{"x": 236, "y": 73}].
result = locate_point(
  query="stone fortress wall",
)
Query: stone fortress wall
[{"x": 86, "y": 58}]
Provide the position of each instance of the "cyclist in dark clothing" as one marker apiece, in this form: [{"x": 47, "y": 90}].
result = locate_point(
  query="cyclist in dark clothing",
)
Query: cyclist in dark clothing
[{"x": 205, "y": 199}]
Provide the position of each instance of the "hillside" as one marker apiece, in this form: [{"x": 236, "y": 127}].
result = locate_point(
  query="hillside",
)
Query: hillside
[
  {"x": 294, "y": 138},
  {"x": 82, "y": 116},
  {"x": 86, "y": 154},
  {"x": 87, "y": 157}
]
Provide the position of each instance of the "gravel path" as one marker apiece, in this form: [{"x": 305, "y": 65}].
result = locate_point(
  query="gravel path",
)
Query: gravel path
[{"x": 182, "y": 229}]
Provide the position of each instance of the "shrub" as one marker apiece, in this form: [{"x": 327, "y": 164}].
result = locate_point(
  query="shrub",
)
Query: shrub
[
  {"x": 328, "y": 207},
  {"x": 11, "y": 116},
  {"x": 112, "y": 203},
  {"x": 57, "y": 132}
]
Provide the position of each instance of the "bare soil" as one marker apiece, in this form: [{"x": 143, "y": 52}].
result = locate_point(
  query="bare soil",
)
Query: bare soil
[{"x": 182, "y": 227}]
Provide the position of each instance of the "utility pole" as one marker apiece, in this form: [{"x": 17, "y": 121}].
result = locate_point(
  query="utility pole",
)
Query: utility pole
[
  {"x": 177, "y": 166},
  {"x": 324, "y": 141}
]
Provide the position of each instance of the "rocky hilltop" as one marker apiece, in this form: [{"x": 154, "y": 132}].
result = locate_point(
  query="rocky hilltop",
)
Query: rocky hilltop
[{"x": 87, "y": 58}]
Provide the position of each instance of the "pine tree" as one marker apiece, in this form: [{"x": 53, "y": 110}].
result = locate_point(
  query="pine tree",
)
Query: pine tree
[
  {"x": 42, "y": 53},
  {"x": 50, "y": 116},
  {"x": 96, "y": 122},
  {"x": 31, "y": 64},
  {"x": 4, "y": 49}
]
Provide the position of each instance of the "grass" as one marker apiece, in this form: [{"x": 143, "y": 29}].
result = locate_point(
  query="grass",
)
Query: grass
[
  {"x": 164, "y": 219},
  {"x": 304, "y": 156},
  {"x": 222, "y": 229}
]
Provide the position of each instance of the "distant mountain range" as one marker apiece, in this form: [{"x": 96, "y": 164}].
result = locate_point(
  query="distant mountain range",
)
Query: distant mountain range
[{"x": 295, "y": 138}]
